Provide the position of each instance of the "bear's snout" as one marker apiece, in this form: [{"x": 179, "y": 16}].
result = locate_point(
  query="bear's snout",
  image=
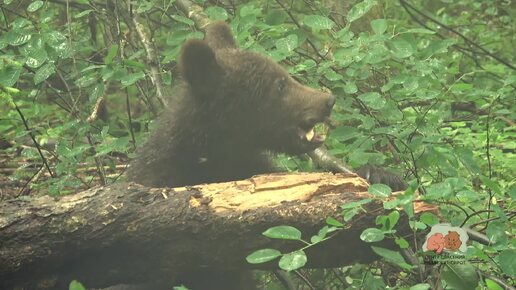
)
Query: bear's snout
[{"x": 331, "y": 102}]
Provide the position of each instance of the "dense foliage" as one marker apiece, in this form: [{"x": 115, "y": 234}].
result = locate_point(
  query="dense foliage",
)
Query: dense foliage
[{"x": 424, "y": 87}]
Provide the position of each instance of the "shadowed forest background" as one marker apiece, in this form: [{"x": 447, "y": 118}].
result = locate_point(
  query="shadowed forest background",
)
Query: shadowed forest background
[{"x": 426, "y": 89}]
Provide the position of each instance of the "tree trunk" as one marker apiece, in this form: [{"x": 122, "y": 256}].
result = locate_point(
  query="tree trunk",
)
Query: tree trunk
[{"x": 127, "y": 233}]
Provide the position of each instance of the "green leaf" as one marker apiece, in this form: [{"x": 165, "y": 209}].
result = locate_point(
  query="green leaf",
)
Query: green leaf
[
  {"x": 373, "y": 100},
  {"x": 380, "y": 190},
  {"x": 318, "y": 22},
  {"x": 379, "y": 26},
  {"x": 350, "y": 88},
  {"x": 429, "y": 219},
  {"x": 287, "y": 44},
  {"x": 182, "y": 19},
  {"x": 356, "y": 204},
  {"x": 293, "y": 261},
  {"x": 216, "y": 13},
  {"x": 420, "y": 30},
  {"x": 83, "y": 13},
  {"x": 371, "y": 235},
  {"x": 263, "y": 256},
  {"x": 36, "y": 57},
  {"x": 275, "y": 17},
  {"x": 283, "y": 232},
  {"x": 7, "y": 2},
  {"x": 34, "y": 6},
  {"x": 392, "y": 219},
  {"x": 75, "y": 285},
  {"x": 9, "y": 75},
  {"x": 130, "y": 79},
  {"x": 111, "y": 54},
  {"x": 44, "y": 72},
  {"x": 401, "y": 48},
  {"x": 333, "y": 76},
  {"x": 492, "y": 285},
  {"x": 16, "y": 38},
  {"x": 460, "y": 276},
  {"x": 333, "y": 222},
  {"x": 496, "y": 233},
  {"x": 507, "y": 264},
  {"x": 491, "y": 184},
  {"x": 360, "y": 9},
  {"x": 423, "y": 286},
  {"x": 392, "y": 257},
  {"x": 402, "y": 243}
]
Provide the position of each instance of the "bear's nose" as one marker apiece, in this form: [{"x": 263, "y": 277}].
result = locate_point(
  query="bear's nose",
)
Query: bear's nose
[{"x": 331, "y": 101}]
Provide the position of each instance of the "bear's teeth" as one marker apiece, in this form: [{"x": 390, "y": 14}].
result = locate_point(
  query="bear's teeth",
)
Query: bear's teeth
[{"x": 310, "y": 134}]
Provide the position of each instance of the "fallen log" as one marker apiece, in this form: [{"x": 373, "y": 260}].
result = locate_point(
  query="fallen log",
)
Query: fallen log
[{"x": 127, "y": 233}]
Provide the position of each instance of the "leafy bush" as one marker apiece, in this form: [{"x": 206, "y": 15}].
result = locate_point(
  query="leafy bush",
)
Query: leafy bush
[{"x": 423, "y": 87}]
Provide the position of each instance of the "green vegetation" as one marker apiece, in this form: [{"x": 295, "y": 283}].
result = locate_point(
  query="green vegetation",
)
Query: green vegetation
[{"x": 426, "y": 88}]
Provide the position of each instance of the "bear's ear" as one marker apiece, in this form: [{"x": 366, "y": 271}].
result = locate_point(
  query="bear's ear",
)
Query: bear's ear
[
  {"x": 199, "y": 66},
  {"x": 219, "y": 36}
]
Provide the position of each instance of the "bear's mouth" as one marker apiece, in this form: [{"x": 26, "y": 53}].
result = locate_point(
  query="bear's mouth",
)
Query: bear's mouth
[{"x": 314, "y": 132}]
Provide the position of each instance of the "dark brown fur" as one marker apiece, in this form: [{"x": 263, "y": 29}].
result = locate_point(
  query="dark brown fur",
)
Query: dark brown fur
[{"x": 233, "y": 108}]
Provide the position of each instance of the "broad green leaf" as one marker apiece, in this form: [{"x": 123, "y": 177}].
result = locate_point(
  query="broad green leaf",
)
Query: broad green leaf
[
  {"x": 216, "y": 13},
  {"x": 492, "y": 285},
  {"x": 491, "y": 184},
  {"x": 275, "y": 17},
  {"x": 496, "y": 233},
  {"x": 130, "y": 79},
  {"x": 360, "y": 9},
  {"x": 75, "y": 285},
  {"x": 401, "y": 48},
  {"x": 263, "y": 256},
  {"x": 34, "y": 6},
  {"x": 318, "y": 22},
  {"x": 350, "y": 88},
  {"x": 420, "y": 30},
  {"x": 333, "y": 76},
  {"x": 424, "y": 286},
  {"x": 293, "y": 261},
  {"x": 83, "y": 13},
  {"x": 356, "y": 204},
  {"x": 36, "y": 57},
  {"x": 333, "y": 222},
  {"x": 392, "y": 219},
  {"x": 429, "y": 219},
  {"x": 133, "y": 63},
  {"x": 379, "y": 26},
  {"x": 113, "y": 50},
  {"x": 371, "y": 235},
  {"x": 182, "y": 19},
  {"x": 283, "y": 232},
  {"x": 9, "y": 75},
  {"x": 380, "y": 190},
  {"x": 373, "y": 100},
  {"x": 393, "y": 257},
  {"x": 16, "y": 38},
  {"x": 287, "y": 44},
  {"x": 44, "y": 72},
  {"x": 402, "y": 243},
  {"x": 7, "y": 2},
  {"x": 460, "y": 276},
  {"x": 507, "y": 260}
]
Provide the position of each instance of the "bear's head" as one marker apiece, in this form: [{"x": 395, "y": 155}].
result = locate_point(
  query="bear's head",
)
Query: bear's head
[{"x": 242, "y": 94}]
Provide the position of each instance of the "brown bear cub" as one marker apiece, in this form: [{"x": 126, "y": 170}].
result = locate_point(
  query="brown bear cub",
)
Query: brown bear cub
[{"x": 233, "y": 108}]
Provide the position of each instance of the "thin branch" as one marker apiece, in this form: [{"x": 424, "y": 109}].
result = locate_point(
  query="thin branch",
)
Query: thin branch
[{"x": 31, "y": 134}]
